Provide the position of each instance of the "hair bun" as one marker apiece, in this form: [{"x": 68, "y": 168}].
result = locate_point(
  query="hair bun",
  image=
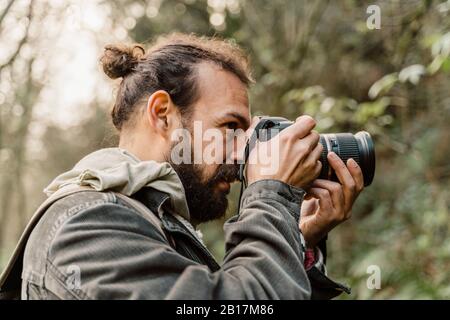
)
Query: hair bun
[{"x": 119, "y": 60}]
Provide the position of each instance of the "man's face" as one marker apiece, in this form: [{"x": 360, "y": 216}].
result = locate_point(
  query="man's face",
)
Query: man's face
[{"x": 222, "y": 108}]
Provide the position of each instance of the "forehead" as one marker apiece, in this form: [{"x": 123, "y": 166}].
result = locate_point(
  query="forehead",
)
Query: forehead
[{"x": 220, "y": 92}]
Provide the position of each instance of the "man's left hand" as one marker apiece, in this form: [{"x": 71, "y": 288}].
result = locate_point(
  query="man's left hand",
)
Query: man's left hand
[{"x": 328, "y": 203}]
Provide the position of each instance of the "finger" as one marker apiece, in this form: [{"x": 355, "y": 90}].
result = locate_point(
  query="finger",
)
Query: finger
[
  {"x": 318, "y": 169},
  {"x": 315, "y": 154},
  {"x": 300, "y": 128},
  {"x": 309, "y": 207},
  {"x": 344, "y": 176},
  {"x": 324, "y": 197},
  {"x": 335, "y": 189},
  {"x": 310, "y": 141},
  {"x": 356, "y": 172},
  {"x": 312, "y": 160}
]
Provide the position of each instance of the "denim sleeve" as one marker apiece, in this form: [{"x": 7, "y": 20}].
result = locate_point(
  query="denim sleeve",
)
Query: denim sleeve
[{"x": 120, "y": 255}]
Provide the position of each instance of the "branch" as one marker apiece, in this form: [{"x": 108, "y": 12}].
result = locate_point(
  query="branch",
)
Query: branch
[
  {"x": 22, "y": 41},
  {"x": 311, "y": 27}
]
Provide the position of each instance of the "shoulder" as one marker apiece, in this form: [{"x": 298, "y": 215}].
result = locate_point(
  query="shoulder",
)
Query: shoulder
[
  {"x": 77, "y": 217},
  {"x": 93, "y": 232}
]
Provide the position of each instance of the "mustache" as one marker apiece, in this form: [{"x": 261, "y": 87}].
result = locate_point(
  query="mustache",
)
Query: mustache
[{"x": 226, "y": 172}]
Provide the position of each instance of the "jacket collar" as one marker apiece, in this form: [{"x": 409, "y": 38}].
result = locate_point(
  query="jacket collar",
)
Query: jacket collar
[{"x": 159, "y": 203}]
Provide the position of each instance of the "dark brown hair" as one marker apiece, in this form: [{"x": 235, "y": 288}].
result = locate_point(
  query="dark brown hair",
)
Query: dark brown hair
[{"x": 170, "y": 65}]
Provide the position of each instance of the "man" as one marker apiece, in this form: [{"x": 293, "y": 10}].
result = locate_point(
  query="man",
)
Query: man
[{"x": 116, "y": 252}]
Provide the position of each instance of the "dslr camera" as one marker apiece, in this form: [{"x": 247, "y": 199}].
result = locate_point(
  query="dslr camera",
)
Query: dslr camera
[{"x": 358, "y": 146}]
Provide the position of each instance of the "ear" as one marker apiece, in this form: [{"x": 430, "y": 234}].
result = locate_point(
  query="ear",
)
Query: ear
[{"x": 162, "y": 115}]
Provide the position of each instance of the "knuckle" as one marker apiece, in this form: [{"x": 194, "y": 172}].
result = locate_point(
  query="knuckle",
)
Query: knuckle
[
  {"x": 311, "y": 147},
  {"x": 318, "y": 165},
  {"x": 320, "y": 147},
  {"x": 323, "y": 194},
  {"x": 336, "y": 188},
  {"x": 302, "y": 149},
  {"x": 285, "y": 138},
  {"x": 326, "y": 193},
  {"x": 351, "y": 186},
  {"x": 315, "y": 135},
  {"x": 307, "y": 165},
  {"x": 308, "y": 120}
]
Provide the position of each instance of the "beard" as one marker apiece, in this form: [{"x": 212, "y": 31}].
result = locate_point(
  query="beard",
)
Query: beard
[{"x": 204, "y": 200}]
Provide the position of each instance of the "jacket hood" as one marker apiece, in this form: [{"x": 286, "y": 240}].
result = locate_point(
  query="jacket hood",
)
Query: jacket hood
[{"x": 118, "y": 170}]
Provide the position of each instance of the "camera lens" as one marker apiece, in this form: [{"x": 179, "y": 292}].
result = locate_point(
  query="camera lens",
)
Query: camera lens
[{"x": 346, "y": 145}]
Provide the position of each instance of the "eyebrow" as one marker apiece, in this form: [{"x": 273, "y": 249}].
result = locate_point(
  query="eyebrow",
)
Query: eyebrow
[{"x": 243, "y": 120}]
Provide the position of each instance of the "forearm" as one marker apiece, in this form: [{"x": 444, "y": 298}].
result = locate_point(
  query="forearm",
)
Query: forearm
[{"x": 264, "y": 241}]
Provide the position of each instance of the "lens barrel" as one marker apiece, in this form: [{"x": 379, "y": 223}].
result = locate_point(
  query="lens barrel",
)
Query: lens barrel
[{"x": 346, "y": 145}]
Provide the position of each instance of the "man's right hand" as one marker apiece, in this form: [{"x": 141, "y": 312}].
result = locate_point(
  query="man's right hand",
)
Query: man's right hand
[{"x": 295, "y": 158}]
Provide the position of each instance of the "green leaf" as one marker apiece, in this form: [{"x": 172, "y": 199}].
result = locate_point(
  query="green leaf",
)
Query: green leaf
[
  {"x": 436, "y": 64},
  {"x": 442, "y": 46},
  {"x": 383, "y": 85},
  {"x": 368, "y": 110},
  {"x": 412, "y": 74}
]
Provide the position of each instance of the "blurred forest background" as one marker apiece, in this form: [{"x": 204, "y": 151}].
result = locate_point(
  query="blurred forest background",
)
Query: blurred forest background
[{"x": 309, "y": 57}]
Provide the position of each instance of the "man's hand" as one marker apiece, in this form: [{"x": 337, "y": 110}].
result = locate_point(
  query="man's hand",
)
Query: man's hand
[
  {"x": 329, "y": 203},
  {"x": 295, "y": 161}
]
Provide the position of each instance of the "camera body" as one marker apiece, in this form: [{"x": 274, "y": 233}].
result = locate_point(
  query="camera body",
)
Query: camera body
[{"x": 358, "y": 146}]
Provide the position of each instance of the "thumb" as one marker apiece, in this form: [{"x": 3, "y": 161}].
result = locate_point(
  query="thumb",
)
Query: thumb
[{"x": 309, "y": 207}]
